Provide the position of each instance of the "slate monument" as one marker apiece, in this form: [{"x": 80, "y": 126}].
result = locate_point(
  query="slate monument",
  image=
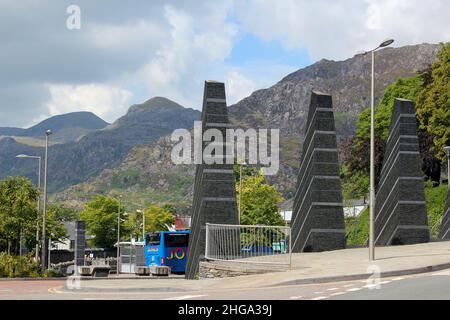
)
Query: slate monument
[
  {"x": 214, "y": 198},
  {"x": 80, "y": 242},
  {"x": 318, "y": 216},
  {"x": 400, "y": 211},
  {"x": 445, "y": 224}
]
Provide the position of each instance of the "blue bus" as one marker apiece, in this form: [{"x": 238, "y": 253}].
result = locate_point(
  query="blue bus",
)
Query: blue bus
[{"x": 167, "y": 248}]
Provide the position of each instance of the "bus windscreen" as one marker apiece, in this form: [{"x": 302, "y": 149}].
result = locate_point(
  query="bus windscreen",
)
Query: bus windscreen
[
  {"x": 176, "y": 240},
  {"x": 153, "y": 239}
]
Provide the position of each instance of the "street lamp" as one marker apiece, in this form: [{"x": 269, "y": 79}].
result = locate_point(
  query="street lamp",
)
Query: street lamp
[
  {"x": 143, "y": 223},
  {"x": 24, "y": 156},
  {"x": 44, "y": 208},
  {"x": 118, "y": 237},
  {"x": 240, "y": 191},
  {"x": 385, "y": 43},
  {"x": 447, "y": 151}
]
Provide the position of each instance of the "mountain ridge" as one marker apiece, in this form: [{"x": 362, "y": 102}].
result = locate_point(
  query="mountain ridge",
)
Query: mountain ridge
[{"x": 283, "y": 106}]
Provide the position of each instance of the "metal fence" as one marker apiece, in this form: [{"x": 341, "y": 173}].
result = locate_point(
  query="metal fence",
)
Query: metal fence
[
  {"x": 254, "y": 245},
  {"x": 131, "y": 255}
]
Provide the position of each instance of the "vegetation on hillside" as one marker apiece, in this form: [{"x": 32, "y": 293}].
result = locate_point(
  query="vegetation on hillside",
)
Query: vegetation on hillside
[{"x": 431, "y": 92}]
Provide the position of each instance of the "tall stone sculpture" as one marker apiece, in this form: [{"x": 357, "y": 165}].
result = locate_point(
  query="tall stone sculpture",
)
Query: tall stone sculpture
[
  {"x": 214, "y": 189},
  {"x": 318, "y": 216},
  {"x": 444, "y": 234},
  {"x": 80, "y": 242},
  {"x": 400, "y": 211}
]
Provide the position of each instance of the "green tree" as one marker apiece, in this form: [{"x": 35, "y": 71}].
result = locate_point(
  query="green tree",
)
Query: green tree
[
  {"x": 156, "y": 219},
  {"x": 433, "y": 102},
  {"x": 356, "y": 149},
  {"x": 259, "y": 201},
  {"x": 18, "y": 212},
  {"x": 101, "y": 215}
]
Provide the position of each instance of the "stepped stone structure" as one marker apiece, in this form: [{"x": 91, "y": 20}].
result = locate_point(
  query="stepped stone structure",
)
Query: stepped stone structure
[
  {"x": 400, "y": 210},
  {"x": 80, "y": 242},
  {"x": 318, "y": 216},
  {"x": 214, "y": 198},
  {"x": 444, "y": 234}
]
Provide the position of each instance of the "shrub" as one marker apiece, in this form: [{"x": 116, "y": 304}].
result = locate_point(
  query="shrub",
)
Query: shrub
[{"x": 18, "y": 266}]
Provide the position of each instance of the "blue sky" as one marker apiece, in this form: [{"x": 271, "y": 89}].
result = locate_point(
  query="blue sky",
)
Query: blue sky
[{"x": 125, "y": 52}]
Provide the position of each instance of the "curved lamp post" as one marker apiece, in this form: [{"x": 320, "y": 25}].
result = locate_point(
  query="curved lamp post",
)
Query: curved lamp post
[{"x": 385, "y": 43}]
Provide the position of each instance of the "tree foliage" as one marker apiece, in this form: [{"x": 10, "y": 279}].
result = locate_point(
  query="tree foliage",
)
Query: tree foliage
[
  {"x": 18, "y": 211},
  {"x": 18, "y": 215},
  {"x": 101, "y": 215},
  {"x": 433, "y": 102},
  {"x": 156, "y": 219},
  {"x": 259, "y": 201}
]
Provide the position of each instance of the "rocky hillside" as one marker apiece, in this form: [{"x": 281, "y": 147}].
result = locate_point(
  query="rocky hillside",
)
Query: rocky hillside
[
  {"x": 285, "y": 105},
  {"x": 75, "y": 162},
  {"x": 66, "y": 128},
  {"x": 147, "y": 175}
]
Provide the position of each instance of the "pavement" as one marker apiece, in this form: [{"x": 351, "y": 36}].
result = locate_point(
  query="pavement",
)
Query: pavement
[
  {"x": 311, "y": 273},
  {"x": 323, "y": 267}
]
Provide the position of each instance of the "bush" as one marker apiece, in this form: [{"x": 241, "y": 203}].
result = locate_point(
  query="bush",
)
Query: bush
[
  {"x": 358, "y": 228},
  {"x": 16, "y": 266},
  {"x": 52, "y": 273}
]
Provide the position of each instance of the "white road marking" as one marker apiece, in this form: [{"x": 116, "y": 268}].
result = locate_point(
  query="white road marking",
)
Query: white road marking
[
  {"x": 348, "y": 285},
  {"x": 398, "y": 279},
  {"x": 385, "y": 282},
  {"x": 337, "y": 293},
  {"x": 332, "y": 289},
  {"x": 353, "y": 289},
  {"x": 373, "y": 285},
  {"x": 185, "y": 297},
  {"x": 318, "y": 292},
  {"x": 319, "y": 298},
  {"x": 296, "y": 297}
]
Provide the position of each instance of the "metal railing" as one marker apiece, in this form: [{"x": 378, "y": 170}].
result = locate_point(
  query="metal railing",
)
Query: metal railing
[{"x": 252, "y": 245}]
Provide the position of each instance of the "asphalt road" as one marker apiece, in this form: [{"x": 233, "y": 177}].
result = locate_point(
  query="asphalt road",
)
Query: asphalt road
[{"x": 422, "y": 286}]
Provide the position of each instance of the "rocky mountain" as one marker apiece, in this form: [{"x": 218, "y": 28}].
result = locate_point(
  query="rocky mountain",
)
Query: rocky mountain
[
  {"x": 285, "y": 105},
  {"x": 75, "y": 162},
  {"x": 66, "y": 127},
  {"x": 147, "y": 175}
]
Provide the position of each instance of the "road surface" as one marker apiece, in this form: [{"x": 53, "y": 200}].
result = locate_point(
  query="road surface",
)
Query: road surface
[{"x": 421, "y": 286}]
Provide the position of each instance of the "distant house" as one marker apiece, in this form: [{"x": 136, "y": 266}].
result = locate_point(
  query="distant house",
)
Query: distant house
[
  {"x": 182, "y": 222},
  {"x": 69, "y": 242},
  {"x": 352, "y": 208},
  {"x": 285, "y": 210}
]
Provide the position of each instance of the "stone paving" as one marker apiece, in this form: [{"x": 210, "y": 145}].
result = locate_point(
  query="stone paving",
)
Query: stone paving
[{"x": 328, "y": 266}]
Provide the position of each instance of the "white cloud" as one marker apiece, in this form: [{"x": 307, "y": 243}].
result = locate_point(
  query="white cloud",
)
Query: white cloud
[
  {"x": 238, "y": 86},
  {"x": 169, "y": 48},
  {"x": 108, "y": 102},
  {"x": 194, "y": 52},
  {"x": 338, "y": 29}
]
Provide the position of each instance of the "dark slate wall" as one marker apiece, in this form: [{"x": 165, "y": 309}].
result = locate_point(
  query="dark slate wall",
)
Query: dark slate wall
[
  {"x": 80, "y": 241},
  {"x": 400, "y": 211},
  {"x": 445, "y": 225},
  {"x": 318, "y": 216},
  {"x": 214, "y": 189}
]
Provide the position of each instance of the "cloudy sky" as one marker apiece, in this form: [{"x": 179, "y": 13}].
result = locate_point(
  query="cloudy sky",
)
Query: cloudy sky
[{"x": 128, "y": 51}]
